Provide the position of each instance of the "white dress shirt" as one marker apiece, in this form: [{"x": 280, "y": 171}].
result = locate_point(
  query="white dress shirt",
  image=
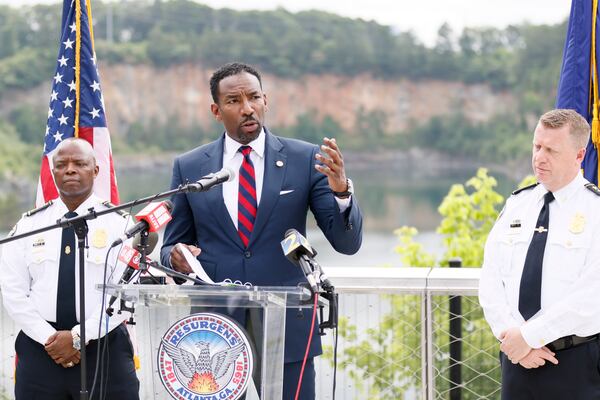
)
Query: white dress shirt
[
  {"x": 232, "y": 158},
  {"x": 29, "y": 270},
  {"x": 570, "y": 299}
]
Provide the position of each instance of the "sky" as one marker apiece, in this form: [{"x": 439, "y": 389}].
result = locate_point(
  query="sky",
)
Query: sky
[{"x": 421, "y": 16}]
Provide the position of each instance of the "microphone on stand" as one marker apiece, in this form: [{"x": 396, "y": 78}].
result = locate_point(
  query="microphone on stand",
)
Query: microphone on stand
[
  {"x": 152, "y": 217},
  {"x": 300, "y": 252},
  {"x": 297, "y": 246},
  {"x": 297, "y": 249},
  {"x": 131, "y": 257},
  {"x": 206, "y": 182}
]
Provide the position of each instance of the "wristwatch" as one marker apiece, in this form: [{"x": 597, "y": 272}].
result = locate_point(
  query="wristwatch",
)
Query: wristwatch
[
  {"x": 349, "y": 190},
  {"x": 76, "y": 338}
]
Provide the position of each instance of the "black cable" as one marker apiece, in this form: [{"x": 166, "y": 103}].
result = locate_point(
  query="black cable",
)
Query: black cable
[
  {"x": 100, "y": 342},
  {"x": 335, "y": 349},
  {"x": 100, "y": 324}
]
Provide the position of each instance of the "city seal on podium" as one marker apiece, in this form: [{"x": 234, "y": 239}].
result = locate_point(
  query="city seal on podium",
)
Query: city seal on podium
[{"x": 205, "y": 356}]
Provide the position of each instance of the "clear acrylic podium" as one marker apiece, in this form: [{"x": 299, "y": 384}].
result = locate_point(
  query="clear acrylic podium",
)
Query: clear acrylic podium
[{"x": 157, "y": 307}]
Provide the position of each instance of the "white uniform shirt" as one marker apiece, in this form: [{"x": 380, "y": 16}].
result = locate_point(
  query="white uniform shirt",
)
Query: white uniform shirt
[
  {"x": 29, "y": 270},
  {"x": 232, "y": 158},
  {"x": 570, "y": 299}
]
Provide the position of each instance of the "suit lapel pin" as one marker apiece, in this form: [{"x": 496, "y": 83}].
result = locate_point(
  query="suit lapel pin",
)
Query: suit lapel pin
[{"x": 279, "y": 163}]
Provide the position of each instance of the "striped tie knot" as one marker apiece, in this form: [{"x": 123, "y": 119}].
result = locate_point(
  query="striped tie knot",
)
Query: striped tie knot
[
  {"x": 247, "y": 201},
  {"x": 245, "y": 150}
]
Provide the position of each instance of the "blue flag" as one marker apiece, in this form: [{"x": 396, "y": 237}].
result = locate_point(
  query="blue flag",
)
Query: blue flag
[{"x": 576, "y": 83}]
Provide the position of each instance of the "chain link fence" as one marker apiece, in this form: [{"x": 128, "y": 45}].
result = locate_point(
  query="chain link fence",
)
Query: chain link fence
[
  {"x": 465, "y": 353},
  {"x": 8, "y": 334},
  {"x": 411, "y": 334}
]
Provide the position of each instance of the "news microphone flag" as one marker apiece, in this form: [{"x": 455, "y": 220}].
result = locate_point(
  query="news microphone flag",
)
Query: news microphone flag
[
  {"x": 76, "y": 104},
  {"x": 578, "y": 82},
  {"x": 155, "y": 214},
  {"x": 130, "y": 257}
]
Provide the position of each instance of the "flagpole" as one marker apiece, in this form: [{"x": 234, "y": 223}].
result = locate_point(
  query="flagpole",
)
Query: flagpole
[{"x": 81, "y": 229}]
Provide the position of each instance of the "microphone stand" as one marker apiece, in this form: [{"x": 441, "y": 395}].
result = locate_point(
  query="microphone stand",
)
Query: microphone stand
[
  {"x": 327, "y": 292},
  {"x": 81, "y": 231},
  {"x": 79, "y": 224},
  {"x": 144, "y": 265},
  {"x": 93, "y": 214}
]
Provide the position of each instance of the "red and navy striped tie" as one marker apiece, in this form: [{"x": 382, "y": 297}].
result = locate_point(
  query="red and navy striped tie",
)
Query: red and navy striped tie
[{"x": 247, "y": 204}]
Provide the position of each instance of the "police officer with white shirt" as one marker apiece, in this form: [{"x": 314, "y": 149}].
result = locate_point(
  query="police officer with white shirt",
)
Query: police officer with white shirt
[
  {"x": 540, "y": 281},
  {"x": 39, "y": 277}
]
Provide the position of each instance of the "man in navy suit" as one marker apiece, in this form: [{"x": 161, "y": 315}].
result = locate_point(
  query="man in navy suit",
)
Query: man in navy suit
[{"x": 236, "y": 240}]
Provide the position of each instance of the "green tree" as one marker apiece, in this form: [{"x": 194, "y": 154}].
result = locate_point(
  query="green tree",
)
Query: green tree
[
  {"x": 29, "y": 123},
  {"x": 468, "y": 212},
  {"x": 16, "y": 158}
]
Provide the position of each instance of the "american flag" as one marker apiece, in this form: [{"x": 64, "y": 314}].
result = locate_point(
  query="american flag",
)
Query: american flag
[{"x": 76, "y": 92}]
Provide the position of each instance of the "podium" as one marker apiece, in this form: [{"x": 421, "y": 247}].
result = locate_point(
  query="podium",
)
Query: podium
[{"x": 159, "y": 307}]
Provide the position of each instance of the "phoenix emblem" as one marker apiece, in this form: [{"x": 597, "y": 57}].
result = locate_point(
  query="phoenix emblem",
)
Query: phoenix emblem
[{"x": 204, "y": 371}]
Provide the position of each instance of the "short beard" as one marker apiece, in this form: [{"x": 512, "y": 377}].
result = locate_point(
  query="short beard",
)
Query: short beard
[{"x": 245, "y": 138}]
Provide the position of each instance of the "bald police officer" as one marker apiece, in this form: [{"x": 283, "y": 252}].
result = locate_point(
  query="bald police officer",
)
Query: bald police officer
[{"x": 39, "y": 280}]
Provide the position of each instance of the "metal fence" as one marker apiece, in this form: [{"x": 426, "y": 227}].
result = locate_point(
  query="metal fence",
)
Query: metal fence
[
  {"x": 410, "y": 333},
  {"x": 405, "y": 333}
]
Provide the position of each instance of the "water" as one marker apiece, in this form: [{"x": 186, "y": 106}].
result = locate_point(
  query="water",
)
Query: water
[
  {"x": 389, "y": 195},
  {"x": 389, "y": 198}
]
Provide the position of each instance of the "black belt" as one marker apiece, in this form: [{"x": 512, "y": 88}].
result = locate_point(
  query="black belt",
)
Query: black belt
[{"x": 567, "y": 342}]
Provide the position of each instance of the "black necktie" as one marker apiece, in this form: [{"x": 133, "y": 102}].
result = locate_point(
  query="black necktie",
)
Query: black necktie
[
  {"x": 66, "y": 318},
  {"x": 530, "y": 290}
]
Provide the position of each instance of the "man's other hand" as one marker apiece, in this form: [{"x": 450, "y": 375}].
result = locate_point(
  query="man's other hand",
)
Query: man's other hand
[
  {"x": 59, "y": 346},
  {"x": 538, "y": 357},
  {"x": 178, "y": 261}
]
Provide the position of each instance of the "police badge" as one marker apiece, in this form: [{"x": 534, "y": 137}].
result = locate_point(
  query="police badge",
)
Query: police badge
[{"x": 577, "y": 224}]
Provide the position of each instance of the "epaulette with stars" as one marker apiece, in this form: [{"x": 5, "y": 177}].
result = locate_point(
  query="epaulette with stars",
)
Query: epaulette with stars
[
  {"x": 37, "y": 210},
  {"x": 122, "y": 213},
  {"x": 515, "y": 192},
  {"x": 593, "y": 188}
]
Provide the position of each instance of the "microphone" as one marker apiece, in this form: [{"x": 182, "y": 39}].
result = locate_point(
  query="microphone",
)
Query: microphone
[
  {"x": 297, "y": 249},
  {"x": 131, "y": 257},
  {"x": 298, "y": 246},
  {"x": 152, "y": 217},
  {"x": 206, "y": 182}
]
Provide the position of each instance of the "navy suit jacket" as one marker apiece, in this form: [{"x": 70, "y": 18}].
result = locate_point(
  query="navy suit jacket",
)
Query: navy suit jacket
[{"x": 201, "y": 219}]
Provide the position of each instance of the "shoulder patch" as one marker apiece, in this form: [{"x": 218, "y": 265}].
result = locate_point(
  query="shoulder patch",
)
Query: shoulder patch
[
  {"x": 37, "y": 210},
  {"x": 593, "y": 188},
  {"x": 515, "y": 192},
  {"x": 122, "y": 213}
]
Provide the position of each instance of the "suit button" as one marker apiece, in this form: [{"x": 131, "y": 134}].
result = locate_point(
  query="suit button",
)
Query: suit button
[{"x": 248, "y": 254}]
